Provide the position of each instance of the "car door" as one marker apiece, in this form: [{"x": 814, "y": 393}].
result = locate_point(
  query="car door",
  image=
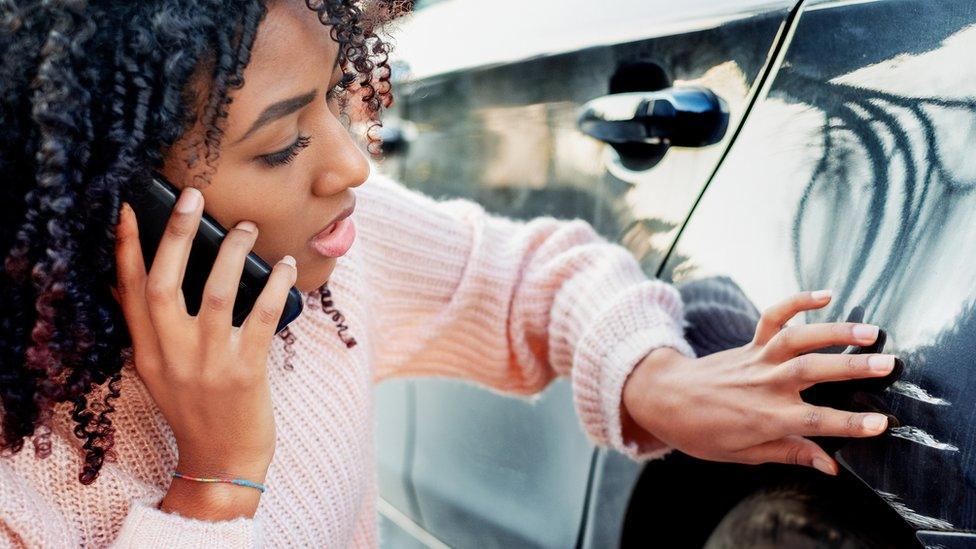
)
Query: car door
[
  {"x": 855, "y": 171},
  {"x": 488, "y": 103}
]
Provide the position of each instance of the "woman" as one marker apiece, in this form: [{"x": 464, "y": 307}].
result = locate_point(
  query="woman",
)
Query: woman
[{"x": 130, "y": 401}]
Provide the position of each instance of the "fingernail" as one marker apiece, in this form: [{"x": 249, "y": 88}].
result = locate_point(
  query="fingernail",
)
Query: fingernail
[
  {"x": 866, "y": 332},
  {"x": 875, "y": 422},
  {"x": 124, "y": 211},
  {"x": 881, "y": 363},
  {"x": 820, "y": 294},
  {"x": 823, "y": 465},
  {"x": 189, "y": 200},
  {"x": 900, "y": 365},
  {"x": 288, "y": 259},
  {"x": 247, "y": 226}
]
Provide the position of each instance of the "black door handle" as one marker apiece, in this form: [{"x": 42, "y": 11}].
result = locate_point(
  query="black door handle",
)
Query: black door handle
[{"x": 680, "y": 117}]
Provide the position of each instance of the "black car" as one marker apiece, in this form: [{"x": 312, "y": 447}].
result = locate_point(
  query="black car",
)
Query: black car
[{"x": 743, "y": 150}]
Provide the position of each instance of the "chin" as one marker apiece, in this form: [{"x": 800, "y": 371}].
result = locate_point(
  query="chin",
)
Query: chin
[{"x": 311, "y": 278}]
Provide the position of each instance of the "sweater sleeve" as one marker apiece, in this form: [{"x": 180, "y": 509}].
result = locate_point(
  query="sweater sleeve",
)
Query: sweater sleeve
[
  {"x": 27, "y": 519},
  {"x": 147, "y": 526},
  {"x": 511, "y": 304}
]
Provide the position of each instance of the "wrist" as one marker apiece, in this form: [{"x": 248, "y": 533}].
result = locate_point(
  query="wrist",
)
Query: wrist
[
  {"x": 639, "y": 384},
  {"x": 212, "y": 500}
]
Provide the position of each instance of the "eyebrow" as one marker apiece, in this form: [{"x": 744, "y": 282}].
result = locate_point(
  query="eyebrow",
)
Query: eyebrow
[
  {"x": 278, "y": 110},
  {"x": 282, "y": 108}
]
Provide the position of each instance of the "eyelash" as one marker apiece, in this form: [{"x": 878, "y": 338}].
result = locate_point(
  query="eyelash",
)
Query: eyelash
[{"x": 289, "y": 153}]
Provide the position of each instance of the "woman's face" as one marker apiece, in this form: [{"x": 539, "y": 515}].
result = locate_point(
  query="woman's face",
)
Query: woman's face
[{"x": 283, "y": 98}]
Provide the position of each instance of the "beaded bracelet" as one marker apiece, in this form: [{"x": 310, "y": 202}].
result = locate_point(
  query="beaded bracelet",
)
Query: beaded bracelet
[{"x": 238, "y": 481}]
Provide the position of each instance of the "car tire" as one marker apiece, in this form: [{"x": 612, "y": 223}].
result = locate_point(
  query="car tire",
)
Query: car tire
[{"x": 800, "y": 517}]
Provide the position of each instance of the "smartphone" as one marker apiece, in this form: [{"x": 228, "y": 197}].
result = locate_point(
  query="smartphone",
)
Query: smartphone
[{"x": 153, "y": 202}]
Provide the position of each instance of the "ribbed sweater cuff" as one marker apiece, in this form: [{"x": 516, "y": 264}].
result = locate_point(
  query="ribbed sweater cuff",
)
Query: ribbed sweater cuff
[
  {"x": 612, "y": 347},
  {"x": 147, "y": 526}
]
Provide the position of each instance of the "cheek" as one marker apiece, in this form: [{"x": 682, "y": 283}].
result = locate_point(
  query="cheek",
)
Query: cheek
[
  {"x": 280, "y": 230},
  {"x": 284, "y": 227},
  {"x": 282, "y": 238},
  {"x": 288, "y": 234},
  {"x": 291, "y": 239}
]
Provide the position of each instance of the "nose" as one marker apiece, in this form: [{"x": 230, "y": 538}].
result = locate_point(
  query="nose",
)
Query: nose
[{"x": 343, "y": 163}]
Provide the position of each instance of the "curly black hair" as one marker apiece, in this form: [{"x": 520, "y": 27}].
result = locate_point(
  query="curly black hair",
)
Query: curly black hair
[{"x": 92, "y": 96}]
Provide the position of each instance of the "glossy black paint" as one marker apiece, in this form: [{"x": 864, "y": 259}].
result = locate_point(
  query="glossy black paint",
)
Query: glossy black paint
[
  {"x": 947, "y": 540},
  {"x": 866, "y": 186}
]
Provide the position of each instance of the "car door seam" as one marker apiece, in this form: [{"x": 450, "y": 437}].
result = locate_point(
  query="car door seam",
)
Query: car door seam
[{"x": 766, "y": 76}]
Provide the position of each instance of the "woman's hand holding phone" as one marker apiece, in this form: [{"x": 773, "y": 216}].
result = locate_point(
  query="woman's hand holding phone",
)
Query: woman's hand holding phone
[{"x": 208, "y": 377}]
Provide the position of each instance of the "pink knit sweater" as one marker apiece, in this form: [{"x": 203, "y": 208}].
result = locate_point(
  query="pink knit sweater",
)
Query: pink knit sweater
[{"x": 430, "y": 288}]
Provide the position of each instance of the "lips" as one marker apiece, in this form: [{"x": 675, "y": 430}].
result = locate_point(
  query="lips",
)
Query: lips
[
  {"x": 337, "y": 237},
  {"x": 332, "y": 225}
]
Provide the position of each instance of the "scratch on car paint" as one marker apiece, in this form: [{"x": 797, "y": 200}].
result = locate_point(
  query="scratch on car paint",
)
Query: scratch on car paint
[
  {"x": 914, "y": 434},
  {"x": 913, "y": 517},
  {"x": 911, "y": 390}
]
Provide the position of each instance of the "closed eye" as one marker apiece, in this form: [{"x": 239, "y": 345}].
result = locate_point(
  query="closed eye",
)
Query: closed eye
[{"x": 287, "y": 154}]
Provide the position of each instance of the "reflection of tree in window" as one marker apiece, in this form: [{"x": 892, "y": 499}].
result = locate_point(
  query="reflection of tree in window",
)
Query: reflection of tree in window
[{"x": 894, "y": 137}]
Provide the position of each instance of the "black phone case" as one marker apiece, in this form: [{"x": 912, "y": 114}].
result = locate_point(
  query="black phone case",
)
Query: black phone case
[{"x": 153, "y": 204}]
